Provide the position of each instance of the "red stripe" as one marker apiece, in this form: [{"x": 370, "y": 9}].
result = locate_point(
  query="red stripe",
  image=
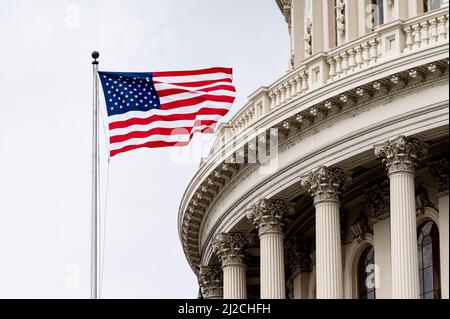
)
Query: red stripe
[
  {"x": 195, "y": 83},
  {"x": 171, "y": 117},
  {"x": 196, "y": 100},
  {"x": 193, "y": 72},
  {"x": 159, "y": 131},
  {"x": 163, "y": 93},
  {"x": 157, "y": 144}
]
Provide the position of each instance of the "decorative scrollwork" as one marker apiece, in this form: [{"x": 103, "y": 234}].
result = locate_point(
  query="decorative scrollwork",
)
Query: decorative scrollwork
[{"x": 400, "y": 155}]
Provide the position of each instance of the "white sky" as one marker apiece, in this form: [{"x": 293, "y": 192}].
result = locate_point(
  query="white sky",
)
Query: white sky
[{"x": 45, "y": 135}]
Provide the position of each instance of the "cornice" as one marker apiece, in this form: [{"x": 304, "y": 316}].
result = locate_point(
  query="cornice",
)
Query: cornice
[{"x": 223, "y": 180}]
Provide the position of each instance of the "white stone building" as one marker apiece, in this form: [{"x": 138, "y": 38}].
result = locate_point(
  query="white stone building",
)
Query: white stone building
[{"x": 332, "y": 182}]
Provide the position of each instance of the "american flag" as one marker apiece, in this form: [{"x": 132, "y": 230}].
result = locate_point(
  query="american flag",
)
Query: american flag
[{"x": 160, "y": 109}]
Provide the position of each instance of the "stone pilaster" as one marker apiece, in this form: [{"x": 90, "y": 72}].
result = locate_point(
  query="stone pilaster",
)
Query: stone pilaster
[
  {"x": 439, "y": 170},
  {"x": 378, "y": 203},
  {"x": 210, "y": 279},
  {"x": 325, "y": 186},
  {"x": 232, "y": 250},
  {"x": 269, "y": 217},
  {"x": 400, "y": 157},
  {"x": 298, "y": 258}
]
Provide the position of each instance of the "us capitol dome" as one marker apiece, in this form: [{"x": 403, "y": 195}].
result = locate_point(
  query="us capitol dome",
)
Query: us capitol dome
[{"x": 332, "y": 182}]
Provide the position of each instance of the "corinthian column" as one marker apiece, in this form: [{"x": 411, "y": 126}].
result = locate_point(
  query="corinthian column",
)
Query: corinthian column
[
  {"x": 268, "y": 217},
  {"x": 400, "y": 157},
  {"x": 325, "y": 186},
  {"x": 232, "y": 250},
  {"x": 439, "y": 170},
  {"x": 210, "y": 280}
]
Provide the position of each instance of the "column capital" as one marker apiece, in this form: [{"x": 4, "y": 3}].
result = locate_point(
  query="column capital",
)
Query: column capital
[
  {"x": 210, "y": 279},
  {"x": 439, "y": 170},
  {"x": 232, "y": 248},
  {"x": 298, "y": 256},
  {"x": 325, "y": 184},
  {"x": 400, "y": 155},
  {"x": 268, "y": 216}
]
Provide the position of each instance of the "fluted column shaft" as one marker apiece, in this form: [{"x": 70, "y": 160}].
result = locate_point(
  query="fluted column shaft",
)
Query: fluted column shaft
[
  {"x": 328, "y": 251},
  {"x": 401, "y": 156},
  {"x": 405, "y": 269},
  {"x": 268, "y": 217},
  {"x": 325, "y": 187},
  {"x": 272, "y": 266},
  {"x": 232, "y": 250},
  {"x": 234, "y": 281},
  {"x": 439, "y": 170}
]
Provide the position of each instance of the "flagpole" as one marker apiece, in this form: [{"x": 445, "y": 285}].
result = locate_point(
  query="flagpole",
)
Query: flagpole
[{"x": 95, "y": 166}]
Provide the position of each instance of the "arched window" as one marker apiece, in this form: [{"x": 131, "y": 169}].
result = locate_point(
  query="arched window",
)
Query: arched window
[
  {"x": 430, "y": 5},
  {"x": 366, "y": 279},
  {"x": 429, "y": 272}
]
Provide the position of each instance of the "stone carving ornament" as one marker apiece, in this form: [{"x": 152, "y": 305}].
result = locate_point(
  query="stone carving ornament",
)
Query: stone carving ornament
[
  {"x": 325, "y": 184},
  {"x": 400, "y": 155},
  {"x": 269, "y": 216},
  {"x": 232, "y": 248}
]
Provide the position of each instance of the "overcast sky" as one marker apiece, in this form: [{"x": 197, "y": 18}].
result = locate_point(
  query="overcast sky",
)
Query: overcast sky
[{"x": 45, "y": 136}]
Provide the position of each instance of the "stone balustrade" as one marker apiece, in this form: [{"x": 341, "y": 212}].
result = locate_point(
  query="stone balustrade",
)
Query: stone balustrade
[
  {"x": 386, "y": 43},
  {"x": 426, "y": 30},
  {"x": 354, "y": 56}
]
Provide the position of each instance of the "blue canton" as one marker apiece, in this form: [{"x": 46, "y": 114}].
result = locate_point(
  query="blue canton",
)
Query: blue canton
[{"x": 125, "y": 92}]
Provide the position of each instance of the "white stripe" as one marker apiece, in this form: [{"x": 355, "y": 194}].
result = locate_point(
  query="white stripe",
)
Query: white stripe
[
  {"x": 164, "y": 124},
  {"x": 192, "y": 78},
  {"x": 180, "y": 110},
  {"x": 155, "y": 138},
  {"x": 192, "y": 94},
  {"x": 166, "y": 86}
]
